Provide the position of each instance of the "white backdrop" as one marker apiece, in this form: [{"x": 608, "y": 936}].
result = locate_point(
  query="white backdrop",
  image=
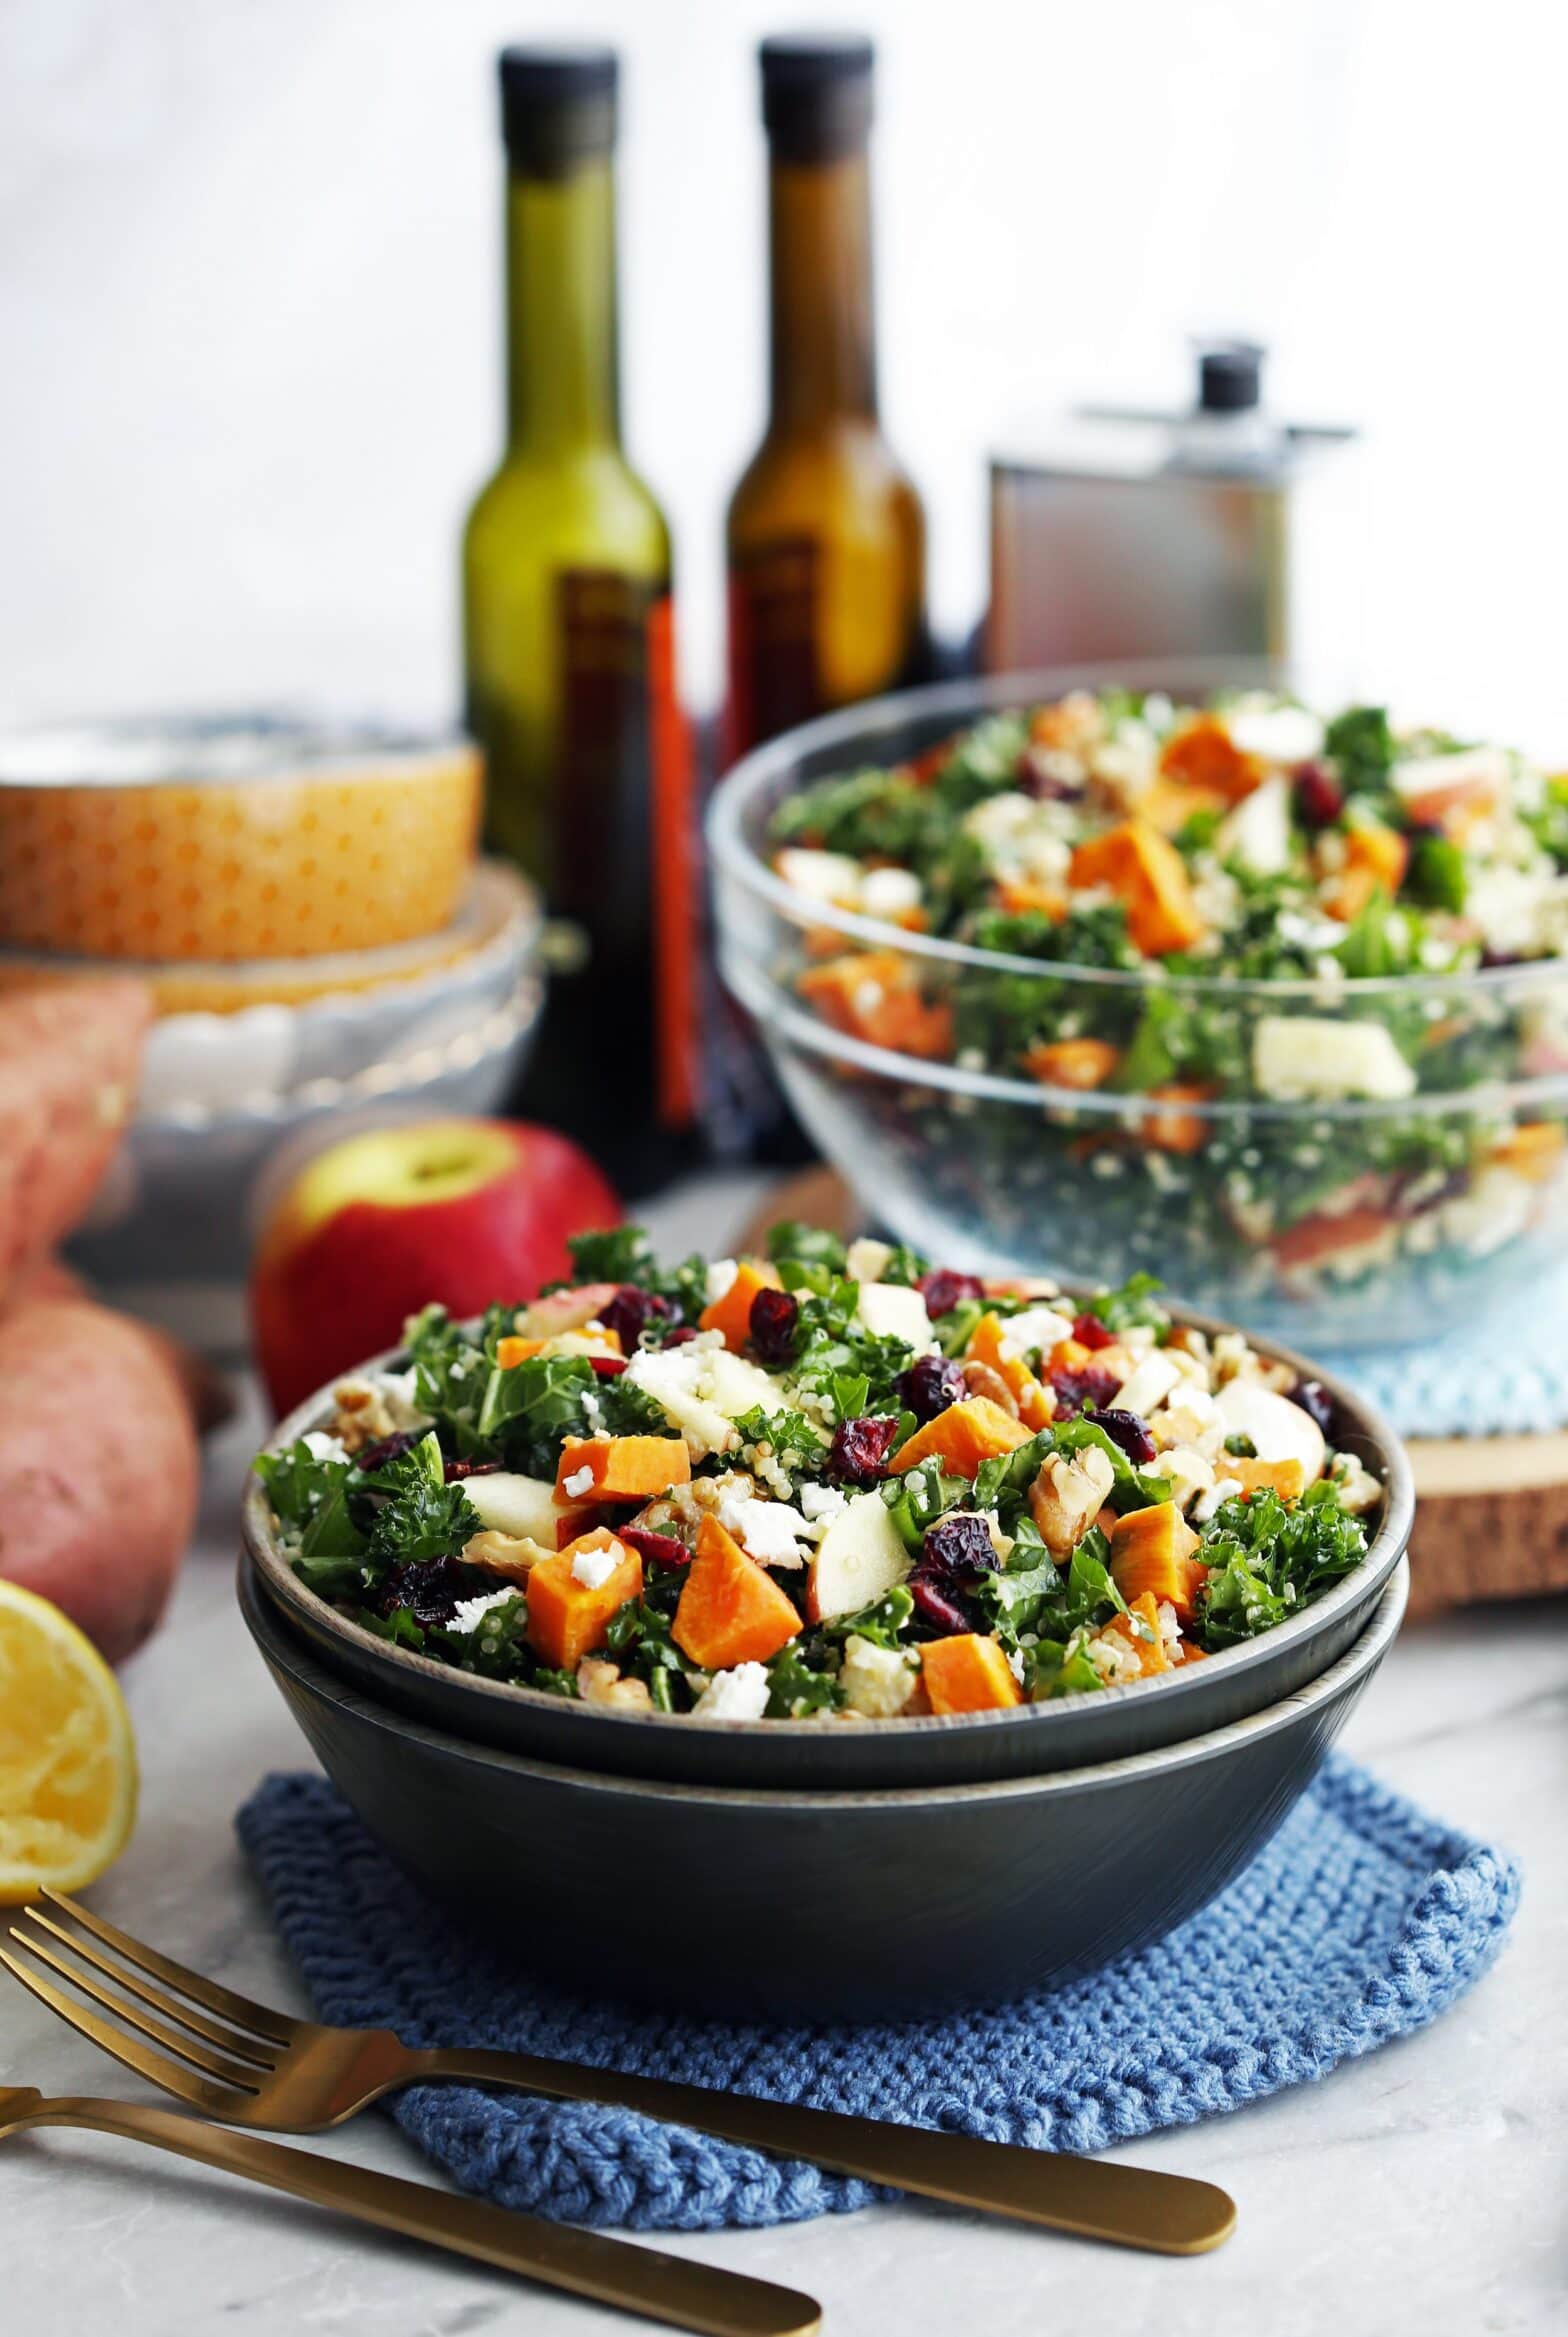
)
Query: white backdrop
[{"x": 249, "y": 328}]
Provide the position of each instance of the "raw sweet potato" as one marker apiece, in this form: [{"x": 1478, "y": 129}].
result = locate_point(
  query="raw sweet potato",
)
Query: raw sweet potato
[
  {"x": 964, "y": 1437},
  {"x": 1077, "y": 1063},
  {"x": 968, "y": 1674},
  {"x": 98, "y": 1467},
  {"x": 621, "y": 1468},
  {"x": 730, "y": 1611},
  {"x": 566, "y": 1618},
  {"x": 69, "y": 1054},
  {"x": 1149, "y": 877},
  {"x": 731, "y": 1314}
]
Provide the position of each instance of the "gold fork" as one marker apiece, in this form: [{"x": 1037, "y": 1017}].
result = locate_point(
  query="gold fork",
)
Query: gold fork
[
  {"x": 611, "y": 2272},
  {"x": 247, "y": 2065}
]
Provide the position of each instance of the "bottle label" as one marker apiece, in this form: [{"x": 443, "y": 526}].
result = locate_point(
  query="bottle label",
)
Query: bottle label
[
  {"x": 626, "y": 851},
  {"x": 774, "y": 614}
]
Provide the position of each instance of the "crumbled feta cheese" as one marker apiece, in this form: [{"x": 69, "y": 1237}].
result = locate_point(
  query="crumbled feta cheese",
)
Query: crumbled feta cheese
[
  {"x": 1189, "y": 1416},
  {"x": 877, "y": 1681},
  {"x": 1015, "y": 1664},
  {"x": 721, "y": 1275},
  {"x": 1275, "y": 734},
  {"x": 1149, "y": 1384},
  {"x": 832, "y": 877},
  {"x": 1170, "y": 1630},
  {"x": 469, "y": 1613},
  {"x": 593, "y": 1568},
  {"x": 1257, "y": 832},
  {"x": 1358, "y": 1489},
  {"x": 1295, "y": 1056},
  {"x": 741, "y": 1694},
  {"x": 768, "y": 1531},
  {"x": 1037, "y": 1326},
  {"x": 889, "y": 892},
  {"x": 577, "y": 1484},
  {"x": 322, "y": 1447},
  {"x": 1207, "y": 1505},
  {"x": 822, "y": 1501}
]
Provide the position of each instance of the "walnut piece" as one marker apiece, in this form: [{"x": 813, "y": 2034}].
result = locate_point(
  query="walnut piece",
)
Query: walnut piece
[{"x": 1068, "y": 1496}]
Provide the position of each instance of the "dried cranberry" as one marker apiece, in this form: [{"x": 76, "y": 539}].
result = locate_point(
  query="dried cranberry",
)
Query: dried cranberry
[
  {"x": 942, "y": 1290},
  {"x": 1315, "y": 1401},
  {"x": 957, "y": 1545},
  {"x": 1319, "y": 797},
  {"x": 391, "y": 1448},
  {"x": 630, "y": 1312},
  {"x": 663, "y": 1549},
  {"x": 1415, "y": 1190},
  {"x": 607, "y": 1366},
  {"x": 1500, "y": 957},
  {"x": 1036, "y": 778},
  {"x": 1128, "y": 1431},
  {"x": 771, "y": 1323},
  {"x": 682, "y": 1335},
  {"x": 931, "y": 1383},
  {"x": 1089, "y": 1331},
  {"x": 455, "y": 1471},
  {"x": 1090, "y": 1385},
  {"x": 430, "y": 1588},
  {"x": 933, "y": 1605},
  {"x": 858, "y": 1453}
]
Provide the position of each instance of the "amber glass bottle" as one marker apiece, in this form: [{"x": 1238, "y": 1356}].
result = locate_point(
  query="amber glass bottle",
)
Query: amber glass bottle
[
  {"x": 826, "y": 538},
  {"x": 568, "y": 648}
]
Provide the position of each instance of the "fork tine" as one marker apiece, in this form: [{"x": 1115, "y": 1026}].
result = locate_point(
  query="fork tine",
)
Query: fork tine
[
  {"x": 188, "y": 2048},
  {"x": 240, "y": 2045},
  {"x": 174, "y": 2076},
  {"x": 276, "y": 2027}
]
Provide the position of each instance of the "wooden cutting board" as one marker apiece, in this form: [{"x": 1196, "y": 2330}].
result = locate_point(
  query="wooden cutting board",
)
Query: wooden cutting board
[{"x": 1492, "y": 1521}]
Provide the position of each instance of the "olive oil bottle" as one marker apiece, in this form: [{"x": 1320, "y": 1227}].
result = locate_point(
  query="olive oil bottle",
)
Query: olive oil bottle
[
  {"x": 569, "y": 650},
  {"x": 826, "y": 537}
]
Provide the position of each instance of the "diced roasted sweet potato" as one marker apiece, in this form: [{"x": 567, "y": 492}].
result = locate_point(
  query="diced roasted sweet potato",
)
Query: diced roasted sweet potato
[
  {"x": 873, "y": 995},
  {"x": 509, "y": 1353},
  {"x": 1203, "y": 754},
  {"x": 1156, "y": 1537},
  {"x": 1286, "y": 1478},
  {"x": 1140, "y": 1627},
  {"x": 1075, "y": 1063},
  {"x": 1167, "y": 1577},
  {"x": 963, "y": 1437},
  {"x": 989, "y": 1345},
  {"x": 1024, "y": 896},
  {"x": 1149, "y": 877},
  {"x": 1532, "y": 1150},
  {"x": 1175, "y": 1127},
  {"x": 1330, "y": 1234},
  {"x": 731, "y": 1314},
  {"x": 567, "y": 1618},
  {"x": 621, "y": 1468},
  {"x": 1376, "y": 858},
  {"x": 1168, "y": 804},
  {"x": 968, "y": 1674},
  {"x": 731, "y": 1611}
]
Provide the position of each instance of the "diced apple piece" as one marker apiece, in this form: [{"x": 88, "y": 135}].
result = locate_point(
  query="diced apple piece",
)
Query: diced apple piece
[
  {"x": 564, "y": 1310},
  {"x": 889, "y": 1311},
  {"x": 1303, "y": 1056},
  {"x": 1279, "y": 1430},
  {"x": 514, "y": 1504},
  {"x": 858, "y": 1559},
  {"x": 733, "y": 1386}
]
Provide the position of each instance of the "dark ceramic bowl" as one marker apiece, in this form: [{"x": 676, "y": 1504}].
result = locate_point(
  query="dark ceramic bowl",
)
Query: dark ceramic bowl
[
  {"x": 830, "y": 1755},
  {"x": 814, "y": 1906}
]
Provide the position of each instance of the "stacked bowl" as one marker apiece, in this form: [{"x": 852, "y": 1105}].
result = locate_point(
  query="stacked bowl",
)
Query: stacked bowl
[
  {"x": 808, "y": 1869},
  {"x": 305, "y": 904}
]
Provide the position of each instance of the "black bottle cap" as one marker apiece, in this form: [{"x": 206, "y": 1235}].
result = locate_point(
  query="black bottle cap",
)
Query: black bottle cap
[
  {"x": 1230, "y": 377},
  {"x": 557, "y": 106},
  {"x": 816, "y": 94}
]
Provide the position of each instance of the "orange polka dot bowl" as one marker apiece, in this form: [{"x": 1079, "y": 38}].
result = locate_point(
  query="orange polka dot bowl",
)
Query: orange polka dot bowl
[{"x": 231, "y": 838}]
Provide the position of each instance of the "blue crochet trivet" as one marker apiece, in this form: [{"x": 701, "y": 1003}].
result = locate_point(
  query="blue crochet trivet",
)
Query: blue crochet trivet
[
  {"x": 1361, "y": 1921},
  {"x": 1504, "y": 1376}
]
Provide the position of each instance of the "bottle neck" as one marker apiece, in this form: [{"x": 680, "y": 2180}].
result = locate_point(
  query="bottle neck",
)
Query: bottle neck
[
  {"x": 563, "y": 390},
  {"x": 822, "y": 337}
]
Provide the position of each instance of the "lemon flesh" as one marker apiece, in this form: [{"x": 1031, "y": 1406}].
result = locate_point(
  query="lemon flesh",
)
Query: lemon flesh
[{"x": 67, "y": 1755}]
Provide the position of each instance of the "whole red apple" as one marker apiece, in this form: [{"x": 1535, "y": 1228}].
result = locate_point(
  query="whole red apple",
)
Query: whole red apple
[{"x": 374, "y": 1228}]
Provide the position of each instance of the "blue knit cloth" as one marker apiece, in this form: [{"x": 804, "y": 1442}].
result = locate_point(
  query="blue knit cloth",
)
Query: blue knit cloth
[
  {"x": 1506, "y": 1375},
  {"x": 1361, "y": 1920}
]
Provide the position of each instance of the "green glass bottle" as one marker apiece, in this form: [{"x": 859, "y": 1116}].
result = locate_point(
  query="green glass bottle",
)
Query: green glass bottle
[
  {"x": 826, "y": 536},
  {"x": 569, "y": 649}
]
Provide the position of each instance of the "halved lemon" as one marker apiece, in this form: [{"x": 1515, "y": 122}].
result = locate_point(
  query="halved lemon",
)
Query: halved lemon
[{"x": 67, "y": 1755}]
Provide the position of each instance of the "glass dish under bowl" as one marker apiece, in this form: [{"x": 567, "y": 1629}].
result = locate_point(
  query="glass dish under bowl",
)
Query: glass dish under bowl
[{"x": 1334, "y": 1224}]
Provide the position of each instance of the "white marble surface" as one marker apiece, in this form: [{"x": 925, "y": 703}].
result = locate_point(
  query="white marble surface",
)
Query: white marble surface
[{"x": 1422, "y": 2189}]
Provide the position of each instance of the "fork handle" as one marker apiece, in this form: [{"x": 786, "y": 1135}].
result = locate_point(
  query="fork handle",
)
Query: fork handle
[
  {"x": 1096, "y": 2198},
  {"x": 672, "y": 2289}
]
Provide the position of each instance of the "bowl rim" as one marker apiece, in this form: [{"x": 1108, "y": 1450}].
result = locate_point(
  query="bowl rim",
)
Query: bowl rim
[
  {"x": 859, "y": 725},
  {"x": 1386, "y": 1546},
  {"x": 1366, "y": 1651}
]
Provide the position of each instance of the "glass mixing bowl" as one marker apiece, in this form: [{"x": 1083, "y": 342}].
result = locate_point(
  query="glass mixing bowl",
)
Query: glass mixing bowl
[{"x": 1389, "y": 1217}]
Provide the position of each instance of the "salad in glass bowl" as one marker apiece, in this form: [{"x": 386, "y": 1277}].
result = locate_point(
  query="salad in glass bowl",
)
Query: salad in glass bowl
[
  {"x": 822, "y": 1483},
  {"x": 1269, "y": 1000}
]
